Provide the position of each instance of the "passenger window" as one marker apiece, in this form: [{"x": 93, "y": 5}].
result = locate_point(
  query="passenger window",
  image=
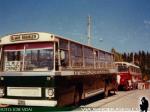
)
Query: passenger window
[{"x": 64, "y": 58}]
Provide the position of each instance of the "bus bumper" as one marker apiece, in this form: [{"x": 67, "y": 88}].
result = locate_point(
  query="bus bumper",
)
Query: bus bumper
[{"x": 50, "y": 103}]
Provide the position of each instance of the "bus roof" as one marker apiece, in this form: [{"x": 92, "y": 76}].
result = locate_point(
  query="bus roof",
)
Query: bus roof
[
  {"x": 28, "y": 37},
  {"x": 58, "y": 36},
  {"x": 128, "y": 64}
]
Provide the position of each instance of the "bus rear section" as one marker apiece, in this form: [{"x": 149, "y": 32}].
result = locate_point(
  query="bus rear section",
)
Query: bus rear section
[
  {"x": 128, "y": 75},
  {"x": 40, "y": 69}
]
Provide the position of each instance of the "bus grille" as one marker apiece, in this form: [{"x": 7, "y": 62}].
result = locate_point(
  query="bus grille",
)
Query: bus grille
[{"x": 24, "y": 91}]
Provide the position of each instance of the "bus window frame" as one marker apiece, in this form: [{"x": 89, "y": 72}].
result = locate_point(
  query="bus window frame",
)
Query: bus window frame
[{"x": 24, "y": 54}]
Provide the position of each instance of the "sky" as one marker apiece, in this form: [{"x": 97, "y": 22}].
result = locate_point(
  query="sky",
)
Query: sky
[{"x": 120, "y": 24}]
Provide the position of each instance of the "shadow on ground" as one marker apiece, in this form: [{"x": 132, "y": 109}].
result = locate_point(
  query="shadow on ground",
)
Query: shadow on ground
[{"x": 95, "y": 98}]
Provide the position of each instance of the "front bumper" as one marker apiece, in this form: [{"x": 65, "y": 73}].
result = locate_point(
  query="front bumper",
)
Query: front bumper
[{"x": 22, "y": 102}]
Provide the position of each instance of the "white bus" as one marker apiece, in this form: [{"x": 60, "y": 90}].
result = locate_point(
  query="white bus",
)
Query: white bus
[{"x": 43, "y": 69}]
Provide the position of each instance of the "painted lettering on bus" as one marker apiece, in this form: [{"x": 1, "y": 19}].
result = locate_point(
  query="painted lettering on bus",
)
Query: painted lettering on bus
[{"x": 24, "y": 37}]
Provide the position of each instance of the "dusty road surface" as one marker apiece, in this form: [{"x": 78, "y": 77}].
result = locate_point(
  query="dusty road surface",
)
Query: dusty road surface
[{"x": 122, "y": 101}]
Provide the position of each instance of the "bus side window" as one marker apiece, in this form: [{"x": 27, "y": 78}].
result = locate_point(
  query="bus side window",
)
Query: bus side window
[{"x": 63, "y": 58}]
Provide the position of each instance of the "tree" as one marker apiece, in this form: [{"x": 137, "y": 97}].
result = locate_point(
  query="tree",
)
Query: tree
[
  {"x": 124, "y": 56},
  {"x": 141, "y": 59},
  {"x": 117, "y": 55}
]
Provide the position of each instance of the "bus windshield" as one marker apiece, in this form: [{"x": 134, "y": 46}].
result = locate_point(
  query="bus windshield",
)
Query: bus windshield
[
  {"x": 122, "y": 68},
  {"x": 27, "y": 57}
]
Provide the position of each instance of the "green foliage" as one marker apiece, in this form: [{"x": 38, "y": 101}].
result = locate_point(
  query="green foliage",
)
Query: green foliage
[{"x": 117, "y": 55}]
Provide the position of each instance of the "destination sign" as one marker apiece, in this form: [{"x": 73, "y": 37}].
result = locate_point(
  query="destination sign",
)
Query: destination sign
[
  {"x": 24, "y": 37},
  {"x": 12, "y": 66}
]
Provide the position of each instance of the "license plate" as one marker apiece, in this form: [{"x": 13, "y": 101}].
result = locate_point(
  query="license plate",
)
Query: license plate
[{"x": 21, "y": 102}]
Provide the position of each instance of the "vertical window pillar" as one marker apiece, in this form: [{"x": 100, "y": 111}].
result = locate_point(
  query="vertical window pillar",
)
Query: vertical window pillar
[
  {"x": 1, "y": 62},
  {"x": 94, "y": 58},
  {"x": 69, "y": 56},
  {"x": 24, "y": 53},
  {"x": 83, "y": 59},
  {"x": 54, "y": 67}
]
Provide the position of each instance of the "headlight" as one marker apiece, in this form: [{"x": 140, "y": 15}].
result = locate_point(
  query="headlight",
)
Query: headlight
[
  {"x": 49, "y": 92},
  {"x": 1, "y": 92}
]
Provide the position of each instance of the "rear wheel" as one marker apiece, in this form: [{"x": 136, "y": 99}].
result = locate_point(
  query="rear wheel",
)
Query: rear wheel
[
  {"x": 78, "y": 94},
  {"x": 76, "y": 98}
]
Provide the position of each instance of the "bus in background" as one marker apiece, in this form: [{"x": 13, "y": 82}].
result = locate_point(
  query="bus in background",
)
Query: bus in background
[
  {"x": 128, "y": 75},
  {"x": 43, "y": 69}
]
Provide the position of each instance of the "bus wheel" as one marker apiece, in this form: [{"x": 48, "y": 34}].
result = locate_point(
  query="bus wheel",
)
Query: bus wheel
[{"x": 76, "y": 99}]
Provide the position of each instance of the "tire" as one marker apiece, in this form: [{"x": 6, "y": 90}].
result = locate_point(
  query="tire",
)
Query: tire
[
  {"x": 76, "y": 99},
  {"x": 78, "y": 94}
]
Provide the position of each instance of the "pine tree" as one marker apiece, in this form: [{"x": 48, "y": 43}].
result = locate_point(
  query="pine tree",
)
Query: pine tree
[
  {"x": 117, "y": 55},
  {"x": 141, "y": 59},
  {"x": 124, "y": 56}
]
